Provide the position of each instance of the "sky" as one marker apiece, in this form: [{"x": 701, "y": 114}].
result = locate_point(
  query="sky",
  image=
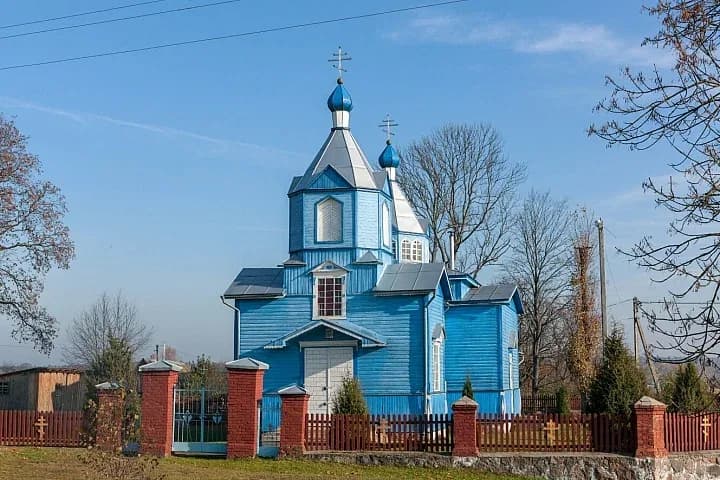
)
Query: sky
[{"x": 175, "y": 163}]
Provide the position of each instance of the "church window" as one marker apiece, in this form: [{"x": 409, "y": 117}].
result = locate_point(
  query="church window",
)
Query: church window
[
  {"x": 436, "y": 361},
  {"x": 4, "y": 388},
  {"x": 405, "y": 250},
  {"x": 329, "y": 297},
  {"x": 394, "y": 249},
  {"x": 417, "y": 254},
  {"x": 328, "y": 216},
  {"x": 387, "y": 232}
]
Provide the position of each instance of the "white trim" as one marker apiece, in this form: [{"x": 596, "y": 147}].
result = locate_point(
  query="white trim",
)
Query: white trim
[
  {"x": 328, "y": 343},
  {"x": 342, "y": 274}
]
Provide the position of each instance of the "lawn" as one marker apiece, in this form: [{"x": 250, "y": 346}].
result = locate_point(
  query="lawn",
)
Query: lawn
[{"x": 63, "y": 464}]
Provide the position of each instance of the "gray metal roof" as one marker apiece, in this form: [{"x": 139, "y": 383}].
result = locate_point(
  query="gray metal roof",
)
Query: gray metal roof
[
  {"x": 490, "y": 293},
  {"x": 367, "y": 337},
  {"x": 410, "y": 278},
  {"x": 405, "y": 217},
  {"x": 294, "y": 262},
  {"x": 368, "y": 257},
  {"x": 341, "y": 152},
  {"x": 256, "y": 282}
]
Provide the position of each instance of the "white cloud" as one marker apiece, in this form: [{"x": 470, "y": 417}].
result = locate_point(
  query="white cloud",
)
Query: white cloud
[{"x": 592, "y": 40}]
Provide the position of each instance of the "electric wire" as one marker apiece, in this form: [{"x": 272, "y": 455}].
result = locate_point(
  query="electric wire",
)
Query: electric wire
[
  {"x": 80, "y": 14},
  {"x": 121, "y": 19},
  {"x": 234, "y": 35}
]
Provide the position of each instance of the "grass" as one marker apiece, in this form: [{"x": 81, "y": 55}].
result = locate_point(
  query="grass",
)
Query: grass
[{"x": 62, "y": 464}]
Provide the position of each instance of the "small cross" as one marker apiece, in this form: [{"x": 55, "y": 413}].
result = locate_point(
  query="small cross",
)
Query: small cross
[
  {"x": 550, "y": 429},
  {"x": 387, "y": 125},
  {"x": 383, "y": 429},
  {"x": 41, "y": 424},
  {"x": 337, "y": 60},
  {"x": 706, "y": 427}
]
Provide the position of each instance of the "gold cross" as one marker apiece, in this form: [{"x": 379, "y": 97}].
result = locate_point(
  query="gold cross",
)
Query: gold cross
[
  {"x": 706, "y": 427},
  {"x": 550, "y": 428},
  {"x": 41, "y": 424},
  {"x": 383, "y": 429}
]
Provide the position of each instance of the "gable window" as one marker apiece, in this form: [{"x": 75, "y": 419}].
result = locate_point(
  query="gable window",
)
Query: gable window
[
  {"x": 417, "y": 254},
  {"x": 405, "y": 250},
  {"x": 387, "y": 232},
  {"x": 329, "y": 302},
  {"x": 328, "y": 218},
  {"x": 4, "y": 388},
  {"x": 437, "y": 373}
]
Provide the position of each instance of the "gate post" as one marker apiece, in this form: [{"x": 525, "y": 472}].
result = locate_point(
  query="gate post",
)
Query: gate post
[
  {"x": 292, "y": 430},
  {"x": 465, "y": 427},
  {"x": 245, "y": 386},
  {"x": 109, "y": 417},
  {"x": 650, "y": 428},
  {"x": 158, "y": 383}
]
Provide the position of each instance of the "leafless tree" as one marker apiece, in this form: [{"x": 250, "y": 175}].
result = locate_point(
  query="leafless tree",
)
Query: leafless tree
[
  {"x": 110, "y": 317},
  {"x": 679, "y": 107},
  {"x": 540, "y": 264},
  {"x": 33, "y": 239},
  {"x": 460, "y": 181}
]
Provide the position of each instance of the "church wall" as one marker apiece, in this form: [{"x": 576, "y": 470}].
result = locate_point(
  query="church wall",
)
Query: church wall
[
  {"x": 471, "y": 347},
  {"x": 309, "y": 202},
  {"x": 296, "y": 223},
  {"x": 509, "y": 330},
  {"x": 361, "y": 279},
  {"x": 368, "y": 220},
  {"x": 436, "y": 316}
]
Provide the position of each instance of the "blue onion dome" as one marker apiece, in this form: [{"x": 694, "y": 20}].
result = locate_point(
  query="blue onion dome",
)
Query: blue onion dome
[
  {"x": 389, "y": 157},
  {"x": 339, "y": 99}
]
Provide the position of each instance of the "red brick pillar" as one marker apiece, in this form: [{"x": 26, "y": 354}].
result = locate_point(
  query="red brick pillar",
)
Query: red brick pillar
[
  {"x": 292, "y": 429},
  {"x": 650, "y": 428},
  {"x": 109, "y": 417},
  {"x": 158, "y": 381},
  {"x": 464, "y": 427},
  {"x": 245, "y": 386}
]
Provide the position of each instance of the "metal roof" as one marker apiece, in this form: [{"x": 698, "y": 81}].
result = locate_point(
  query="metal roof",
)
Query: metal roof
[
  {"x": 405, "y": 216},
  {"x": 44, "y": 370},
  {"x": 367, "y": 337},
  {"x": 368, "y": 257},
  {"x": 341, "y": 152},
  {"x": 490, "y": 293},
  {"x": 257, "y": 283},
  {"x": 410, "y": 278}
]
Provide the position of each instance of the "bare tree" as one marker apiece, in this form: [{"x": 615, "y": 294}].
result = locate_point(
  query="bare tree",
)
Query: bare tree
[
  {"x": 33, "y": 239},
  {"x": 460, "y": 181},
  {"x": 540, "y": 264},
  {"x": 109, "y": 318},
  {"x": 681, "y": 108}
]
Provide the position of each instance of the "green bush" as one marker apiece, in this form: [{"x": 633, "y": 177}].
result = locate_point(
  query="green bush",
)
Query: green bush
[
  {"x": 467, "y": 390},
  {"x": 349, "y": 400},
  {"x": 687, "y": 392},
  {"x": 562, "y": 402}
]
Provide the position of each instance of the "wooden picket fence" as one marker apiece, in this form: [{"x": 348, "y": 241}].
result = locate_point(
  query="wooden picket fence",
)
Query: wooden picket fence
[
  {"x": 407, "y": 433},
  {"x": 547, "y": 403},
  {"x": 692, "y": 432},
  {"x": 41, "y": 429},
  {"x": 554, "y": 433}
]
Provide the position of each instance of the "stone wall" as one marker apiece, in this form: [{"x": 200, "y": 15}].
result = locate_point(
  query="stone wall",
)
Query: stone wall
[{"x": 569, "y": 466}]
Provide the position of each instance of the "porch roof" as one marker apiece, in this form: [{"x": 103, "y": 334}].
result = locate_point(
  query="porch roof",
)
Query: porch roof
[{"x": 366, "y": 337}]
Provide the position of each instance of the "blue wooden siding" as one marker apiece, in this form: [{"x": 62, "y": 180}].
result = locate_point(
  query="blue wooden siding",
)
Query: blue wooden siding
[
  {"x": 329, "y": 179},
  {"x": 488, "y": 402},
  {"x": 438, "y": 403},
  {"x": 296, "y": 223},
  {"x": 271, "y": 412},
  {"x": 368, "y": 220},
  {"x": 471, "y": 347},
  {"x": 509, "y": 330},
  {"x": 459, "y": 288},
  {"x": 436, "y": 317},
  {"x": 310, "y": 201},
  {"x": 394, "y": 404},
  {"x": 361, "y": 279}
]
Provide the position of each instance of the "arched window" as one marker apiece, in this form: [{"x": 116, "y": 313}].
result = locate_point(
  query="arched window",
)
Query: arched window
[
  {"x": 417, "y": 253},
  {"x": 328, "y": 214},
  {"x": 386, "y": 226},
  {"x": 405, "y": 250}
]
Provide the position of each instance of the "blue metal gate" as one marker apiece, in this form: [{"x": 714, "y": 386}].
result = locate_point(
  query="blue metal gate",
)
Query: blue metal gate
[{"x": 200, "y": 421}]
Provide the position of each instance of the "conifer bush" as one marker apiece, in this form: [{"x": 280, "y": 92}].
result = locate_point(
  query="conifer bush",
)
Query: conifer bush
[
  {"x": 687, "y": 392},
  {"x": 467, "y": 390},
  {"x": 349, "y": 400},
  {"x": 562, "y": 402}
]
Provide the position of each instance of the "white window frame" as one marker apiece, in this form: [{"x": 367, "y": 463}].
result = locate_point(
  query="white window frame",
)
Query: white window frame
[
  {"x": 417, "y": 251},
  {"x": 386, "y": 226},
  {"x": 322, "y": 227},
  {"x": 336, "y": 275},
  {"x": 405, "y": 250},
  {"x": 437, "y": 361}
]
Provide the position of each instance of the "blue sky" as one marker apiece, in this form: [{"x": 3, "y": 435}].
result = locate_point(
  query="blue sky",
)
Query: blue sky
[{"x": 175, "y": 163}]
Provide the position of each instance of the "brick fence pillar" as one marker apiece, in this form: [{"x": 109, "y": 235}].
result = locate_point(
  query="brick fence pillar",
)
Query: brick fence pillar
[
  {"x": 650, "y": 428},
  {"x": 158, "y": 381},
  {"x": 245, "y": 386},
  {"x": 109, "y": 417},
  {"x": 464, "y": 427},
  {"x": 292, "y": 429}
]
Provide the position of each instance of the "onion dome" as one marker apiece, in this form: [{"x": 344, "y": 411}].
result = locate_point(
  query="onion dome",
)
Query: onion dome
[
  {"x": 389, "y": 157},
  {"x": 339, "y": 99}
]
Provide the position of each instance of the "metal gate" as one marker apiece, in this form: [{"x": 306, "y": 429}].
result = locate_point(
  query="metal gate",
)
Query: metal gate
[{"x": 200, "y": 421}]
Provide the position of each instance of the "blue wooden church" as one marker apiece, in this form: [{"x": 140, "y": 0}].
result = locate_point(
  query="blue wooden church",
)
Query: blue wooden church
[{"x": 358, "y": 296}]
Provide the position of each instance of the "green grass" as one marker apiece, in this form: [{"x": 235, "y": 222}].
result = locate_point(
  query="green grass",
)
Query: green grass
[{"x": 62, "y": 464}]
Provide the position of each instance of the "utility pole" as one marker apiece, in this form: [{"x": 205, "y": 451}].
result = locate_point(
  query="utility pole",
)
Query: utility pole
[
  {"x": 636, "y": 306},
  {"x": 603, "y": 302},
  {"x": 157, "y": 352}
]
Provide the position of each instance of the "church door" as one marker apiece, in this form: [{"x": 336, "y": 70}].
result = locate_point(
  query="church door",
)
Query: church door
[{"x": 324, "y": 370}]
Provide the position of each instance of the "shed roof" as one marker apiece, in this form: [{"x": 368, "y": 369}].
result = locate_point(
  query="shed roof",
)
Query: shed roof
[
  {"x": 501, "y": 293},
  {"x": 257, "y": 283},
  {"x": 44, "y": 370},
  {"x": 410, "y": 278},
  {"x": 369, "y": 258}
]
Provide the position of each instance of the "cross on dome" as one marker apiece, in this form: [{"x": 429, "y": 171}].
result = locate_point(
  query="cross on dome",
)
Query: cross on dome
[
  {"x": 387, "y": 125},
  {"x": 338, "y": 59}
]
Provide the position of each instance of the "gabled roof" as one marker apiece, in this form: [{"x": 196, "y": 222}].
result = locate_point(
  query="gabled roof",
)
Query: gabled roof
[
  {"x": 44, "y": 370},
  {"x": 366, "y": 337},
  {"x": 328, "y": 266},
  {"x": 368, "y": 258},
  {"x": 410, "y": 278},
  {"x": 457, "y": 275},
  {"x": 294, "y": 262},
  {"x": 501, "y": 293},
  {"x": 257, "y": 283},
  {"x": 341, "y": 152}
]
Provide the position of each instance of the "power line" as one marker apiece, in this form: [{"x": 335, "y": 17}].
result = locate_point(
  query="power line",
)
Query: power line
[
  {"x": 235, "y": 35},
  {"x": 121, "y": 19},
  {"x": 80, "y": 14}
]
